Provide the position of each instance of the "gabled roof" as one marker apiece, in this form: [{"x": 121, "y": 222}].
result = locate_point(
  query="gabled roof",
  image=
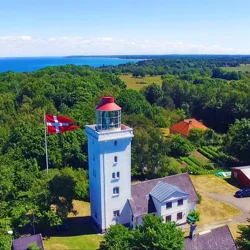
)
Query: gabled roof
[
  {"x": 219, "y": 238},
  {"x": 185, "y": 126},
  {"x": 140, "y": 192},
  {"x": 245, "y": 170},
  {"x": 22, "y": 243},
  {"x": 162, "y": 191}
]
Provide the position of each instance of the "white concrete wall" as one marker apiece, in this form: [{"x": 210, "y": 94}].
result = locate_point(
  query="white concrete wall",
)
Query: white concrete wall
[{"x": 102, "y": 199}]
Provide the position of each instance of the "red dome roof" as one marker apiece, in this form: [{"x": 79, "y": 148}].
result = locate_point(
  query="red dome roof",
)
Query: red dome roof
[{"x": 108, "y": 104}]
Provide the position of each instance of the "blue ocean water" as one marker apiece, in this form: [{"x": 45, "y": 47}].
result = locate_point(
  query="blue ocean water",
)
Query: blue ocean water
[{"x": 26, "y": 64}]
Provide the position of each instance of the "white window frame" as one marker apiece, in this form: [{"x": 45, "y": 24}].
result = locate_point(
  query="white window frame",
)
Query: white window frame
[{"x": 116, "y": 191}]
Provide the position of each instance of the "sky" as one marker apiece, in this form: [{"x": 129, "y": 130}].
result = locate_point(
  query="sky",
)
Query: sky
[{"x": 123, "y": 27}]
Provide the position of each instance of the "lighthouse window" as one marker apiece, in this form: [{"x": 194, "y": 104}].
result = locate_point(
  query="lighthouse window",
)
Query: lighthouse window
[
  {"x": 116, "y": 190},
  {"x": 118, "y": 174},
  {"x": 115, "y": 143},
  {"x": 94, "y": 172},
  {"x": 115, "y": 159},
  {"x": 113, "y": 175},
  {"x": 93, "y": 157}
]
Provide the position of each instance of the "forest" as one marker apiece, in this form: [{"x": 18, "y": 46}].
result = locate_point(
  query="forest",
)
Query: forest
[{"x": 192, "y": 87}]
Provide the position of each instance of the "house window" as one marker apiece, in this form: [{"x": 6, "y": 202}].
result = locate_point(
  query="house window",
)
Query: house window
[
  {"x": 116, "y": 213},
  {"x": 115, "y": 143},
  {"x": 168, "y": 205},
  {"x": 115, "y": 159},
  {"x": 235, "y": 174},
  {"x": 180, "y": 202},
  {"x": 113, "y": 175},
  {"x": 116, "y": 190},
  {"x": 118, "y": 174},
  {"x": 168, "y": 218},
  {"x": 179, "y": 216}
]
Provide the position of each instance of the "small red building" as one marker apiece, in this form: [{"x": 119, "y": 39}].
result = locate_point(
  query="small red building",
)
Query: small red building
[
  {"x": 241, "y": 175},
  {"x": 185, "y": 126}
]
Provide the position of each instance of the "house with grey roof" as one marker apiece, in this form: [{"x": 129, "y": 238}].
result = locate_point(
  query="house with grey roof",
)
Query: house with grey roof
[
  {"x": 23, "y": 243},
  {"x": 219, "y": 238},
  {"x": 171, "y": 197}
]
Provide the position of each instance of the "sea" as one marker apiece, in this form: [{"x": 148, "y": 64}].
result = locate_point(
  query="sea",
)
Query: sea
[{"x": 27, "y": 64}]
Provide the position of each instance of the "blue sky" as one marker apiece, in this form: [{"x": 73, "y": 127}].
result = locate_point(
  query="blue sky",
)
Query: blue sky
[{"x": 66, "y": 27}]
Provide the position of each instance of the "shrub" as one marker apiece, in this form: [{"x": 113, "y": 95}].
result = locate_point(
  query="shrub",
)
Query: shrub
[
  {"x": 195, "y": 214},
  {"x": 199, "y": 197},
  {"x": 209, "y": 166},
  {"x": 197, "y": 162},
  {"x": 209, "y": 156}
]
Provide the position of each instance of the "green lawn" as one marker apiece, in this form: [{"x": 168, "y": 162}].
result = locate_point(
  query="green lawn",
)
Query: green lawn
[
  {"x": 81, "y": 234},
  {"x": 242, "y": 68},
  {"x": 133, "y": 82},
  {"x": 73, "y": 242}
]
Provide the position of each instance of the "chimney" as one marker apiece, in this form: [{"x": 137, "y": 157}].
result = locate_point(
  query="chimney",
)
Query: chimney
[{"x": 192, "y": 230}]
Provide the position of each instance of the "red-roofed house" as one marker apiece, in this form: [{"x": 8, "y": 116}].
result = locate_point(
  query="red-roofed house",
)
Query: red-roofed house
[{"x": 185, "y": 126}]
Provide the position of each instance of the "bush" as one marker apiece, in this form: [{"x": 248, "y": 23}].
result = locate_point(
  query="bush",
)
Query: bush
[
  {"x": 195, "y": 214},
  {"x": 197, "y": 162},
  {"x": 209, "y": 166},
  {"x": 209, "y": 156},
  {"x": 199, "y": 197}
]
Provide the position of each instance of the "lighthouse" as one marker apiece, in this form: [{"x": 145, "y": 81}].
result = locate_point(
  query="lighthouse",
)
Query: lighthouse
[{"x": 109, "y": 159}]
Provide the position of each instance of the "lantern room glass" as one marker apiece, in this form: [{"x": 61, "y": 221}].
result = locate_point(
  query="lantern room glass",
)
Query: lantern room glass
[{"x": 108, "y": 120}]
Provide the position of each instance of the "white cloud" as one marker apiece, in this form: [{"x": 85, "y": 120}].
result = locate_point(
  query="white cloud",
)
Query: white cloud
[{"x": 76, "y": 45}]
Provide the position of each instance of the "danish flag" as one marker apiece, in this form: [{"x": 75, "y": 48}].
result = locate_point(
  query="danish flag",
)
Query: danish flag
[{"x": 59, "y": 124}]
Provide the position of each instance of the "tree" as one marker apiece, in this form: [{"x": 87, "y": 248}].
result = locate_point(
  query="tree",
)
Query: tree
[
  {"x": 243, "y": 240},
  {"x": 5, "y": 242},
  {"x": 117, "y": 237},
  {"x": 180, "y": 146},
  {"x": 153, "y": 93},
  {"x": 153, "y": 234},
  {"x": 33, "y": 246},
  {"x": 196, "y": 136},
  {"x": 238, "y": 140}
]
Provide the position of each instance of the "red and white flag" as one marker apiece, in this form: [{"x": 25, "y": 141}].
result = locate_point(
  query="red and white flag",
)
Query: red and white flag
[{"x": 59, "y": 124}]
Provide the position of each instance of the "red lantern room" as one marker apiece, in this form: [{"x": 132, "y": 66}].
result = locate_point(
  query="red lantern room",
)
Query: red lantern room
[{"x": 108, "y": 115}]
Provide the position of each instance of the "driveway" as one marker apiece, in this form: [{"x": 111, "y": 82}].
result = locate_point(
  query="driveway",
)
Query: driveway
[{"x": 241, "y": 203}]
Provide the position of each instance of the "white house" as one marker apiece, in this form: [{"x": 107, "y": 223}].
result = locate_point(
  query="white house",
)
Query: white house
[{"x": 112, "y": 197}]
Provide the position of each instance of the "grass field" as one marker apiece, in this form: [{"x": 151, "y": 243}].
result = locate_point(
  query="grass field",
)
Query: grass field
[
  {"x": 85, "y": 237},
  {"x": 242, "y": 68},
  {"x": 212, "y": 210},
  {"x": 132, "y": 82}
]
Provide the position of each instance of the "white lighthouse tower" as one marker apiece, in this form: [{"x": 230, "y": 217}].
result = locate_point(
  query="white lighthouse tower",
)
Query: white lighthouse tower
[{"x": 109, "y": 156}]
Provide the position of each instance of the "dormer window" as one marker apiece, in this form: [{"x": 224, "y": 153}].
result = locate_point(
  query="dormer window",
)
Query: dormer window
[
  {"x": 180, "y": 202},
  {"x": 168, "y": 205}
]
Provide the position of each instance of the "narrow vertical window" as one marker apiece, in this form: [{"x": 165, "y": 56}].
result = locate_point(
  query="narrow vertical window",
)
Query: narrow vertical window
[
  {"x": 115, "y": 159},
  {"x": 113, "y": 175},
  {"x": 93, "y": 157},
  {"x": 118, "y": 174},
  {"x": 116, "y": 190},
  {"x": 115, "y": 143}
]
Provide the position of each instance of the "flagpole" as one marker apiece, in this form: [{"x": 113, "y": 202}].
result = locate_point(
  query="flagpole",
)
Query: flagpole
[{"x": 46, "y": 148}]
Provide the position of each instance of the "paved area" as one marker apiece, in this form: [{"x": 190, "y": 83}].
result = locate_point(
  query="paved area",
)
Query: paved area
[{"x": 241, "y": 203}]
